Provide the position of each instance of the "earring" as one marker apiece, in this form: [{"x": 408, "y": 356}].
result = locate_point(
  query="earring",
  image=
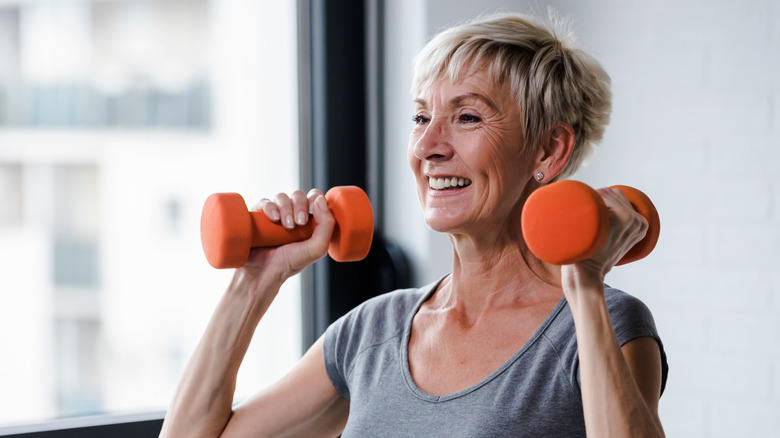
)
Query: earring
[{"x": 539, "y": 176}]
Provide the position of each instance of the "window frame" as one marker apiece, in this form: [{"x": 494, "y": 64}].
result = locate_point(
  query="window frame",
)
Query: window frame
[
  {"x": 339, "y": 85},
  {"x": 118, "y": 426}
]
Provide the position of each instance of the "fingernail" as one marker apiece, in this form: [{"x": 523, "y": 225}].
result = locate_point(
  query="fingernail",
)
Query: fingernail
[
  {"x": 288, "y": 222},
  {"x": 274, "y": 216},
  {"x": 301, "y": 219}
]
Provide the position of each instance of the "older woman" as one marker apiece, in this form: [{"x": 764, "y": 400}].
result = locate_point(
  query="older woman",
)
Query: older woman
[{"x": 506, "y": 345}]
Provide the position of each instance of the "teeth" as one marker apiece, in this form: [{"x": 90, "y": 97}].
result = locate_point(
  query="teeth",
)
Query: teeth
[{"x": 447, "y": 183}]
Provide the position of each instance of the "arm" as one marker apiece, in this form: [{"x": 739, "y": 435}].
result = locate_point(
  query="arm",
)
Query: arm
[
  {"x": 620, "y": 386},
  {"x": 202, "y": 405},
  {"x": 303, "y": 404}
]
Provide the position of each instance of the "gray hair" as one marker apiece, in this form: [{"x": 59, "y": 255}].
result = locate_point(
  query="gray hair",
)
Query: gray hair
[{"x": 553, "y": 80}]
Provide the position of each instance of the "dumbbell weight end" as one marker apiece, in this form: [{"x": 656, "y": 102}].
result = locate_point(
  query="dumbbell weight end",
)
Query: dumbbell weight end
[
  {"x": 644, "y": 206},
  {"x": 567, "y": 222}
]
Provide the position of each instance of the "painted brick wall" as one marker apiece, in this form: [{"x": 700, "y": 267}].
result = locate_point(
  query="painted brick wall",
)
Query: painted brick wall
[{"x": 696, "y": 125}]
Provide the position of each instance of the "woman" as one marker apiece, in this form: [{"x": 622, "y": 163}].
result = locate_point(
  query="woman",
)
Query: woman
[{"x": 506, "y": 345}]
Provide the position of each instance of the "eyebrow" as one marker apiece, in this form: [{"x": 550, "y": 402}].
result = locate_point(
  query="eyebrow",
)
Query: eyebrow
[{"x": 458, "y": 100}]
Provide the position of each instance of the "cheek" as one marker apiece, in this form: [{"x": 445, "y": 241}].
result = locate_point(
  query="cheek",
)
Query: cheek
[
  {"x": 499, "y": 153},
  {"x": 513, "y": 149}
]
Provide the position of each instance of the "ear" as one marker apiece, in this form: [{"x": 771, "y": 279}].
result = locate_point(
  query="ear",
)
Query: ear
[{"x": 555, "y": 152}]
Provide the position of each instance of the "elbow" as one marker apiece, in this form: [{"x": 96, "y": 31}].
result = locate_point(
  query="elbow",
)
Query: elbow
[{"x": 647, "y": 429}]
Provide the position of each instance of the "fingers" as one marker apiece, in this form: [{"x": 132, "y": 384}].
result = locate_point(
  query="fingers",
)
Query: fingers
[
  {"x": 320, "y": 239},
  {"x": 312, "y": 195},
  {"x": 293, "y": 210},
  {"x": 290, "y": 210},
  {"x": 270, "y": 209},
  {"x": 627, "y": 226}
]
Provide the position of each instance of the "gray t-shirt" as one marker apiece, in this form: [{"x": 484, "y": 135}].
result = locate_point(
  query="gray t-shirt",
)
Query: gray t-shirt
[{"x": 534, "y": 394}]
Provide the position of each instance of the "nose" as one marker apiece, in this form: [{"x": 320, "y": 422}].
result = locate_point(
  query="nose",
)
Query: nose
[{"x": 433, "y": 144}]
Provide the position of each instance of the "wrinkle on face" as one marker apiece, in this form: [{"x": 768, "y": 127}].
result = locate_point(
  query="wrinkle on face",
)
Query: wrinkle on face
[{"x": 489, "y": 152}]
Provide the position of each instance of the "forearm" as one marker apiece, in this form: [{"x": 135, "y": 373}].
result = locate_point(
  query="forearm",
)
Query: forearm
[
  {"x": 612, "y": 400},
  {"x": 202, "y": 405}
]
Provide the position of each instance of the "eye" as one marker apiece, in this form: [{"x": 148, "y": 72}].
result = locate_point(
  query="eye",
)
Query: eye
[
  {"x": 469, "y": 118},
  {"x": 419, "y": 119}
]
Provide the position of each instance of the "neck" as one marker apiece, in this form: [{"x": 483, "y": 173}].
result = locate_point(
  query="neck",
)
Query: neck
[{"x": 502, "y": 275}]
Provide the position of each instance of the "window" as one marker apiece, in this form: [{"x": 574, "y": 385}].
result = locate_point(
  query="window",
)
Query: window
[
  {"x": 117, "y": 119},
  {"x": 10, "y": 194}
]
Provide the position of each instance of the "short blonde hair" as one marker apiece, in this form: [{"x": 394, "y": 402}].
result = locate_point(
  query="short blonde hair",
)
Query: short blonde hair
[{"x": 552, "y": 79}]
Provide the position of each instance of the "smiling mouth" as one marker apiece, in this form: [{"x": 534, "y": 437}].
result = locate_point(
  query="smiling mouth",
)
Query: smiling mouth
[{"x": 448, "y": 183}]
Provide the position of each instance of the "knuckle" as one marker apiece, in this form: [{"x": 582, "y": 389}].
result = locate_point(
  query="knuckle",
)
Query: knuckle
[
  {"x": 638, "y": 222},
  {"x": 261, "y": 204},
  {"x": 282, "y": 200}
]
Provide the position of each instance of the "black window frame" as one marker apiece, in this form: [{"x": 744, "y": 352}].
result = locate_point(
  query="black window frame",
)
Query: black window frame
[
  {"x": 115, "y": 426},
  {"x": 341, "y": 65}
]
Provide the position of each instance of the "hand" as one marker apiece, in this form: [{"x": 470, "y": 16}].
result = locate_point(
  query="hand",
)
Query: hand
[
  {"x": 291, "y": 211},
  {"x": 626, "y": 228}
]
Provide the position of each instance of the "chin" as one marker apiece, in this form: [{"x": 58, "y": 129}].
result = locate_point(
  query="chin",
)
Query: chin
[{"x": 441, "y": 223}]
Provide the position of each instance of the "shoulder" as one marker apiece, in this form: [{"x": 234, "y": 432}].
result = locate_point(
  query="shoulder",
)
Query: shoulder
[
  {"x": 630, "y": 317},
  {"x": 376, "y": 319},
  {"x": 372, "y": 323},
  {"x": 383, "y": 312}
]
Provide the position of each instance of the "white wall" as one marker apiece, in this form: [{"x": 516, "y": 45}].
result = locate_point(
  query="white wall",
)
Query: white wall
[{"x": 695, "y": 121}]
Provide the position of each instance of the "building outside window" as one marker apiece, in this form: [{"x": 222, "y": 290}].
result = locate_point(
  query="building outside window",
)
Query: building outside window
[{"x": 117, "y": 119}]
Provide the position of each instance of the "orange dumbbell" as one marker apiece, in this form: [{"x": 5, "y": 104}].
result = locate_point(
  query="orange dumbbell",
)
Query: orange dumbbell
[
  {"x": 228, "y": 230},
  {"x": 567, "y": 222}
]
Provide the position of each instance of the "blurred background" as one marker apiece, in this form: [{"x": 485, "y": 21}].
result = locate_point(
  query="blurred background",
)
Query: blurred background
[
  {"x": 117, "y": 120},
  {"x": 119, "y": 117}
]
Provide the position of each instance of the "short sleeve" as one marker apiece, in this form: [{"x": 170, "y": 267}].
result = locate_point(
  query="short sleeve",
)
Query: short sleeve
[
  {"x": 632, "y": 319},
  {"x": 333, "y": 351}
]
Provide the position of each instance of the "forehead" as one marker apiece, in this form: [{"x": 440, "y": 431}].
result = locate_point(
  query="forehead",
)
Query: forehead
[{"x": 474, "y": 87}]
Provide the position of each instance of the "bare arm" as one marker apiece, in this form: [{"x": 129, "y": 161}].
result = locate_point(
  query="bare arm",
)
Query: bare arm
[
  {"x": 304, "y": 403},
  {"x": 620, "y": 386},
  {"x": 202, "y": 405}
]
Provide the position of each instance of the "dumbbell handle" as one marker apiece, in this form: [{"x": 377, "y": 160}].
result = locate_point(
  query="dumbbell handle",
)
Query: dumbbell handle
[
  {"x": 567, "y": 222},
  {"x": 266, "y": 233}
]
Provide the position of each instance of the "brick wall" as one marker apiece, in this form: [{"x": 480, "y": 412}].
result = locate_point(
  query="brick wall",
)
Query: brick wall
[{"x": 696, "y": 125}]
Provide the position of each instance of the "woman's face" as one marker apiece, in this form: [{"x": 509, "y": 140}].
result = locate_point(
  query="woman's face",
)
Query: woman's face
[{"x": 466, "y": 152}]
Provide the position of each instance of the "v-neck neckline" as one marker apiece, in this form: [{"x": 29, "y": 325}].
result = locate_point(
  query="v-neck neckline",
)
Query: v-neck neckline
[{"x": 407, "y": 334}]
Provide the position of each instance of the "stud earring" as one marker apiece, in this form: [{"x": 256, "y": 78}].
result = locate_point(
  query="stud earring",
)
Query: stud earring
[{"x": 539, "y": 176}]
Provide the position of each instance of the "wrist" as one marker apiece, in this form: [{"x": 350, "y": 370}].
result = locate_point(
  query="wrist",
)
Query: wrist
[
  {"x": 581, "y": 276},
  {"x": 581, "y": 284},
  {"x": 256, "y": 285}
]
